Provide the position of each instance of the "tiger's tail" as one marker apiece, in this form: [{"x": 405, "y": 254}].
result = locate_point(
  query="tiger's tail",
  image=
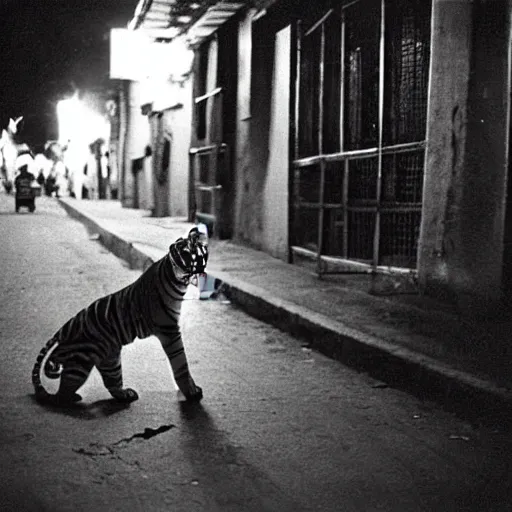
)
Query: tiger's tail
[{"x": 40, "y": 391}]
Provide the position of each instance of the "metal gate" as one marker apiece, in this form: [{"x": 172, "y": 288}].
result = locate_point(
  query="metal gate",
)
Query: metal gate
[
  {"x": 206, "y": 163},
  {"x": 214, "y": 135},
  {"x": 360, "y": 115}
]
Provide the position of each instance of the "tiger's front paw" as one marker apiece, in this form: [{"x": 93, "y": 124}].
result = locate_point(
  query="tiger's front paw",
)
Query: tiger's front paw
[
  {"x": 124, "y": 396},
  {"x": 191, "y": 391},
  {"x": 195, "y": 396}
]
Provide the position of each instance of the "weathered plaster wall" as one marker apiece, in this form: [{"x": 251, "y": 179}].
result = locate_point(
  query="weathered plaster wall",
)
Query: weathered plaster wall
[
  {"x": 213, "y": 132},
  {"x": 121, "y": 143},
  {"x": 466, "y": 159},
  {"x": 145, "y": 183},
  {"x": 262, "y": 145},
  {"x": 246, "y": 226},
  {"x": 178, "y": 123},
  {"x": 161, "y": 175},
  {"x": 275, "y": 192},
  {"x": 137, "y": 138}
]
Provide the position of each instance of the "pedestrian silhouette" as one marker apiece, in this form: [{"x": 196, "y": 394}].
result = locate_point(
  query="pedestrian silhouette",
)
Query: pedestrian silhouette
[{"x": 25, "y": 190}]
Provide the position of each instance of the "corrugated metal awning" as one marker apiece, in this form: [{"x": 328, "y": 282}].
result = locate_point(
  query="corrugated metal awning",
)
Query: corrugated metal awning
[
  {"x": 166, "y": 19},
  {"x": 214, "y": 17}
]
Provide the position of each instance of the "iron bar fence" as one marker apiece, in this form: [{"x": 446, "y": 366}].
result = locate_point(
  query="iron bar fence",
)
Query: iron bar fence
[
  {"x": 340, "y": 190},
  {"x": 360, "y": 119},
  {"x": 205, "y": 164}
]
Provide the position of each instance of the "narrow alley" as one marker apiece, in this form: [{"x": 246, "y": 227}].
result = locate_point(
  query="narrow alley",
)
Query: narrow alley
[{"x": 280, "y": 428}]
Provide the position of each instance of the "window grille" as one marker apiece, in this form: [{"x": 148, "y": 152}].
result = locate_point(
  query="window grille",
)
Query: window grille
[
  {"x": 358, "y": 168},
  {"x": 361, "y": 61},
  {"x": 206, "y": 164},
  {"x": 406, "y": 69}
]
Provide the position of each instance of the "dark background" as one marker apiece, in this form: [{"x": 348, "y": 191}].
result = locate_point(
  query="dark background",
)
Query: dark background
[{"x": 49, "y": 48}]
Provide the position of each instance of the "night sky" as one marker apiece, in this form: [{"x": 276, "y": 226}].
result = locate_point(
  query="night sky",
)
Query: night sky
[{"x": 47, "y": 49}]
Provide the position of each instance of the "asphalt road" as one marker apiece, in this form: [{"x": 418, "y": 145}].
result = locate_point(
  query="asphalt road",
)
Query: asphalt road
[{"x": 281, "y": 428}]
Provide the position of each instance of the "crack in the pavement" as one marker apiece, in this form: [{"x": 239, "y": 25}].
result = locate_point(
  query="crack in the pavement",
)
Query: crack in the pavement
[
  {"x": 100, "y": 450},
  {"x": 147, "y": 434}
]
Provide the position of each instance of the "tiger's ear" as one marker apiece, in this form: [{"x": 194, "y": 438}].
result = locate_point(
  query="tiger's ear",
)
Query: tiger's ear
[
  {"x": 173, "y": 245},
  {"x": 199, "y": 234}
]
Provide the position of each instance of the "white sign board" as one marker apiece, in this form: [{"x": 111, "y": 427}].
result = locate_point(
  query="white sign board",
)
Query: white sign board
[
  {"x": 129, "y": 50},
  {"x": 134, "y": 55}
]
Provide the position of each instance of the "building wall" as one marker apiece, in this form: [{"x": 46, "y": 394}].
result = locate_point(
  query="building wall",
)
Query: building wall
[
  {"x": 121, "y": 142},
  {"x": 159, "y": 167},
  {"x": 461, "y": 241},
  {"x": 178, "y": 122},
  {"x": 172, "y": 119},
  {"x": 137, "y": 138},
  {"x": 244, "y": 229},
  {"x": 466, "y": 162},
  {"x": 206, "y": 125},
  {"x": 145, "y": 184},
  {"x": 275, "y": 191},
  {"x": 262, "y": 144}
]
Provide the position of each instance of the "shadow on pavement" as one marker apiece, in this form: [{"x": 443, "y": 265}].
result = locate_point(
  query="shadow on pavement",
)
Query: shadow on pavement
[
  {"x": 99, "y": 409},
  {"x": 14, "y": 214},
  {"x": 236, "y": 482}
]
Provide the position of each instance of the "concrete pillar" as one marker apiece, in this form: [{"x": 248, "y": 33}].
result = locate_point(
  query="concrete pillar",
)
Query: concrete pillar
[
  {"x": 275, "y": 191},
  {"x": 160, "y": 174},
  {"x": 121, "y": 144},
  {"x": 213, "y": 128},
  {"x": 179, "y": 122},
  {"x": 127, "y": 183},
  {"x": 137, "y": 139},
  {"x": 146, "y": 195},
  {"x": 461, "y": 240},
  {"x": 255, "y": 88},
  {"x": 243, "y": 139}
]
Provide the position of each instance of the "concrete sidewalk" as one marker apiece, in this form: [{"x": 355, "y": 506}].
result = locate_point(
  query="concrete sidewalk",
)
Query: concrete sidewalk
[{"x": 406, "y": 340}]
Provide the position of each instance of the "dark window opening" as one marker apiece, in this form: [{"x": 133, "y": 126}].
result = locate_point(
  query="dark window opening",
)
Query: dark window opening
[
  {"x": 361, "y": 63},
  {"x": 407, "y": 65}
]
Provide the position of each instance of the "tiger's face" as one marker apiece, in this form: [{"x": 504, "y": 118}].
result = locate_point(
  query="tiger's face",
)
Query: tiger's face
[{"x": 190, "y": 254}]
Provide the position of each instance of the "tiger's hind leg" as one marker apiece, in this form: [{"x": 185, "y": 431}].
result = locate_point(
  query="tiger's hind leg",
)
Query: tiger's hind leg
[
  {"x": 112, "y": 374},
  {"x": 75, "y": 371}
]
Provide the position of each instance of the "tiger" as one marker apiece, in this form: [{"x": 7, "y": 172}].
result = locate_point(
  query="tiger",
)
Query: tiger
[{"x": 94, "y": 337}]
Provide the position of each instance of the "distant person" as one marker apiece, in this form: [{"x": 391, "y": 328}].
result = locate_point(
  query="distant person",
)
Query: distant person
[
  {"x": 113, "y": 180},
  {"x": 25, "y": 192},
  {"x": 61, "y": 179},
  {"x": 40, "y": 178},
  {"x": 23, "y": 176},
  {"x": 40, "y": 163},
  {"x": 103, "y": 188},
  {"x": 85, "y": 189},
  {"x": 91, "y": 180},
  {"x": 50, "y": 183}
]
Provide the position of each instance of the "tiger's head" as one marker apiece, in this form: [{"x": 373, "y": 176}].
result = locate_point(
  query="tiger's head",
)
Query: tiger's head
[{"x": 190, "y": 255}]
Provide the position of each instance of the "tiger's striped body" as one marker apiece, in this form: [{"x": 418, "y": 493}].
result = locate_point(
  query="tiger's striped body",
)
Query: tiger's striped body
[{"x": 95, "y": 336}]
